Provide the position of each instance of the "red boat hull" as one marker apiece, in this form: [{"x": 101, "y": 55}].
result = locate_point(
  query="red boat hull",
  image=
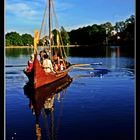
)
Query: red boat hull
[{"x": 39, "y": 78}]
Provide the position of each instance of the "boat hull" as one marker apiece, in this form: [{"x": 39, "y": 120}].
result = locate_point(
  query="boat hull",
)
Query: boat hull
[{"x": 38, "y": 77}]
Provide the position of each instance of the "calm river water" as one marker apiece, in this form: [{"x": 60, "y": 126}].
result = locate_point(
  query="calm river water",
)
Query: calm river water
[{"x": 97, "y": 105}]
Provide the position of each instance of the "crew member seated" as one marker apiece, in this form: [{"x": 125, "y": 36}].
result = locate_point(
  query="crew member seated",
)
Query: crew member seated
[
  {"x": 62, "y": 64},
  {"x": 47, "y": 64}
]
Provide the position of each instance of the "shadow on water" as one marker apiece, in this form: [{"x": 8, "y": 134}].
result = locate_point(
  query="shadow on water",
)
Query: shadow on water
[
  {"x": 95, "y": 73},
  {"x": 101, "y": 51},
  {"x": 42, "y": 100}
]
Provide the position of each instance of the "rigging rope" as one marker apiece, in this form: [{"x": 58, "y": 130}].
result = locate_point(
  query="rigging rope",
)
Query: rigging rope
[
  {"x": 58, "y": 31},
  {"x": 44, "y": 24},
  {"x": 43, "y": 21}
]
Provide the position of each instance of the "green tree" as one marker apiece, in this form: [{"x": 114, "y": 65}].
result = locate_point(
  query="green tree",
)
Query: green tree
[
  {"x": 128, "y": 33},
  {"x": 8, "y": 42},
  {"x": 55, "y": 32},
  {"x": 125, "y": 32},
  {"x": 27, "y": 39},
  {"x": 130, "y": 20},
  {"x": 64, "y": 35},
  {"x": 120, "y": 26},
  {"x": 14, "y": 38}
]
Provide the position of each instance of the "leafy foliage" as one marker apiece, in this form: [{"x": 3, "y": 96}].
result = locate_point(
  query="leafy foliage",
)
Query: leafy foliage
[
  {"x": 15, "y": 39},
  {"x": 54, "y": 36},
  {"x": 102, "y": 34},
  {"x": 90, "y": 35},
  {"x": 27, "y": 39},
  {"x": 64, "y": 35},
  {"x": 125, "y": 30}
]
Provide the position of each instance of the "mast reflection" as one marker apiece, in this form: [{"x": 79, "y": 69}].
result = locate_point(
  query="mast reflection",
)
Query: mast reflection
[
  {"x": 41, "y": 101},
  {"x": 114, "y": 53}
]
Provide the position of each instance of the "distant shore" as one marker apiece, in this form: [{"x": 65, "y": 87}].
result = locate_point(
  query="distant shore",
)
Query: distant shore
[
  {"x": 19, "y": 46},
  {"x": 52, "y": 46}
]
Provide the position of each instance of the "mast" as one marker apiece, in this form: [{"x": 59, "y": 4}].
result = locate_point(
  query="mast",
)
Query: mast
[{"x": 50, "y": 26}]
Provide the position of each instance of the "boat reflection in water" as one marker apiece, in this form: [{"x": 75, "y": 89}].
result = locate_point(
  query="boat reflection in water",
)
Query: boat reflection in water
[{"x": 41, "y": 101}]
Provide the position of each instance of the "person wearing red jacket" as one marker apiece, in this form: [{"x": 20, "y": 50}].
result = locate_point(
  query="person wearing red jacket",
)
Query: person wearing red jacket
[{"x": 30, "y": 64}]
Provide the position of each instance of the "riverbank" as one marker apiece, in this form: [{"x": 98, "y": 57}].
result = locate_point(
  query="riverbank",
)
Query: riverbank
[
  {"x": 19, "y": 46},
  {"x": 52, "y": 46}
]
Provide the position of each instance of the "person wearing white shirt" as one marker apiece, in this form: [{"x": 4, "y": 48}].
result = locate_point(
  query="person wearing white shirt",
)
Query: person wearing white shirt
[{"x": 47, "y": 64}]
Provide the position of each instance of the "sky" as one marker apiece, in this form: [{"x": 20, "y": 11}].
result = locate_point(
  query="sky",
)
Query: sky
[{"x": 24, "y": 16}]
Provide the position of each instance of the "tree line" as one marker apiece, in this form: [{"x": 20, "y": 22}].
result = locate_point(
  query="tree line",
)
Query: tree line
[
  {"x": 15, "y": 39},
  {"x": 122, "y": 33}
]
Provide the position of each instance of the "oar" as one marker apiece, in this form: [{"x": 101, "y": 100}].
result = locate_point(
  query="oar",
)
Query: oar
[
  {"x": 81, "y": 76},
  {"x": 98, "y": 63},
  {"x": 83, "y": 68},
  {"x": 14, "y": 65},
  {"x": 79, "y": 65}
]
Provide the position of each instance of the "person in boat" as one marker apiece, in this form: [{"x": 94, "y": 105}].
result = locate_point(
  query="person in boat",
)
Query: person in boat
[
  {"x": 56, "y": 61},
  {"x": 30, "y": 64},
  {"x": 47, "y": 64},
  {"x": 56, "y": 68},
  {"x": 62, "y": 64},
  {"x": 41, "y": 57},
  {"x": 42, "y": 53},
  {"x": 56, "y": 58}
]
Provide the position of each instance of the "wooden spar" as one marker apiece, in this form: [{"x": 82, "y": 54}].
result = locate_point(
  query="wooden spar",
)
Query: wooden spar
[
  {"x": 81, "y": 76},
  {"x": 100, "y": 69},
  {"x": 50, "y": 28},
  {"x": 50, "y": 21},
  {"x": 83, "y": 68},
  {"x": 81, "y": 65}
]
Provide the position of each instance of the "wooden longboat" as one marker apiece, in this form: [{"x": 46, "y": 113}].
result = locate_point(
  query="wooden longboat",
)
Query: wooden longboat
[{"x": 38, "y": 76}]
